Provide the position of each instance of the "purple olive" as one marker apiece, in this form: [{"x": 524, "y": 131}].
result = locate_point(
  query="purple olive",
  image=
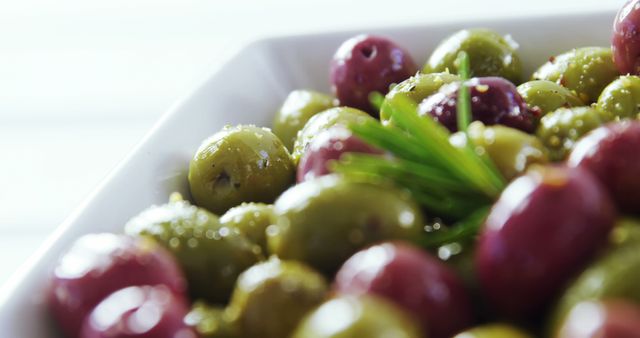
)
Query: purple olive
[
  {"x": 542, "y": 230},
  {"x": 413, "y": 280},
  {"x": 625, "y": 43},
  {"x": 139, "y": 312},
  {"x": 602, "y": 319},
  {"x": 328, "y": 146},
  {"x": 97, "y": 265},
  {"x": 494, "y": 100},
  {"x": 367, "y": 63},
  {"x": 612, "y": 153}
]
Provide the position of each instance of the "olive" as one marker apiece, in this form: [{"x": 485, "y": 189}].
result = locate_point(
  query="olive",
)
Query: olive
[
  {"x": 299, "y": 106},
  {"x": 494, "y": 100},
  {"x": 511, "y": 150},
  {"x": 239, "y": 164},
  {"x": 211, "y": 255},
  {"x": 621, "y": 98},
  {"x": 251, "y": 220},
  {"x": 544, "y": 96},
  {"x": 272, "y": 297},
  {"x": 490, "y": 54},
  {"x": 544, "y": 227},
  {"x": 626, "y": 231},
  {"x": 357, "y": 317},
  {"x": 417, "y": 88},
  {"x": 365, "y": 64},
  {"x": 493, "y": 331},
  {"x": 414, "y": 281},
  {"x": 99, "y": 264},
  {"x": 326, "y": 220},
  {"x": 612, "y": 153},
  {"x": 583, "y": 70},
  {"x": 211, "y": 321},
  {"x": 562, "y": 128},
  {"x": 626, "y": 42},
  {"x": 327, "y": 147},
  {"x": 139, "y": 312},
  {"x": 608, "y": 319},
  {"x": 325, "y": 120}
]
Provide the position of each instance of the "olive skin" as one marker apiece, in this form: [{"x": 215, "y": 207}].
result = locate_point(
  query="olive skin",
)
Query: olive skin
[
  {"x": 327, "y": 147},
  {"x": 211, "y": 321},
  {"x": 544, "y": 96},
  {"x": 272, "y": 297},
  {"x": 211, "y": 255},
  {"x": 299, "y": 106},
  {"x": 139, "y": 312},
  {"x": 621, "y": 98},
  {"x": 251, "y": 220},
  {"x": 493, "y": 331},
  {"x": 544, "y": 227},
  {"x": 608, "y": 319},
  {"x": 626, "y": 231},
  {"x": 490, "y": 54},
  {"x": 367, "y": 63},
  {"x": 583, "y": 70},
  {"x": 407, "y": 276},
  {"x": 494, "y": 100},
  {"x": 239, "y": 164},
  {"x": 616, "y": 275},
  {"x": 339, "y": 116},
  {"x": 511, "y": 150},
  {"x": 561, "y": 129},
  {"x": 416, "y": 88},
  {"x": 612, "y": 153},
  {"x": 97, "y": 265},
  {"x": 324, "y": 221},
  {"x": 625, "y": 42},
  {"x": 357, "y": 317}
]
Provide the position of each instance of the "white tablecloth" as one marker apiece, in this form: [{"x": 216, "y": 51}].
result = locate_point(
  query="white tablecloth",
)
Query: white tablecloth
[{"x": 82, "y": 81}]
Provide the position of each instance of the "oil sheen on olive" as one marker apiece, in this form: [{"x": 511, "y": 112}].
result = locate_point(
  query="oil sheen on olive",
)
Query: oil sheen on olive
[{"x": 544, "y": 96}]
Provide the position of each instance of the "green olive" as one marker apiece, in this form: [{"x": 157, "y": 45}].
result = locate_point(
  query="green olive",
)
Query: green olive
[
  {"x": 325, "y": 220},
  {"x": 211, "y": 321},
  {"x": 210, "y": 255},
  {"x": 493, "y": 331},
  {"x": 297, "y": 109},
  {"x": 583, "y": 70},
  {"x": 417, "y": 88},
  {"x": 239, "y": 164},
  {"x": 560, "y": 129},
  {"x": 323, "y": 121},
  {"x": 511, "y": 150},
  {"x": 615, "y": 275},
  {"x": 251, "y": 220},
  {"x": 621, "y": 98},
  {"x": 490, "y": 54},
  {"x": 545, "y": 96},
  {"x": 357, "y": 317},
  {"x": 272, "y": 297},
  {"x": 626, "y": 231}
]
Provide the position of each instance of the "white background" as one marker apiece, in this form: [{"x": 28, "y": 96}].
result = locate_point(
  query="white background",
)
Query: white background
[{"x": 81, "y": 81}]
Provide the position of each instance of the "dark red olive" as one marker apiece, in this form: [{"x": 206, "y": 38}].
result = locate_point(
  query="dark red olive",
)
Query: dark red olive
[
  {"x": 414, "y": 280},
  {"x": 602, "y": 319},
  {"x": 612, "y": 153},
  {"x": 542, "y": 230},
  {"x": 329, "y": 146},
  {"x": 367, "y": 63},
  {"x": 99, "y": 264},
  {"x": 494, "y": 100},
  {"x": 139, "y": 312},
  {"x": 625, "y": 42}
]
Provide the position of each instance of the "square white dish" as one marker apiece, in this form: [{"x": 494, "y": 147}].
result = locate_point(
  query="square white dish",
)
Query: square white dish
[{"x": 248, "y": 89}]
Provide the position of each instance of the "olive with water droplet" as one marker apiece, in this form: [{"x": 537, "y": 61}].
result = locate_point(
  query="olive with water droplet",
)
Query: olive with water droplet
[
  {"x": 239, "y": 164},
  {"x": 212, "y": 256},
  {"x": 325, "y": 220},
  {"x": 251, "y": 220},
  {"x": 621, "y": 98},
  {"x": 584, "y": 70},
  {"x": 545, "y": 96},
  {"x": 271, "y": 297}
]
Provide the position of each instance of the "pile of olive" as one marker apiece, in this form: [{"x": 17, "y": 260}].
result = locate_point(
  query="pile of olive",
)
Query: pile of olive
[{"x": 275, "y": 245}]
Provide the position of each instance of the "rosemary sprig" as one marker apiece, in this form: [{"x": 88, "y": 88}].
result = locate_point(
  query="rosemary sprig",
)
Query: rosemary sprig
[{"x": 460, "y": 231}]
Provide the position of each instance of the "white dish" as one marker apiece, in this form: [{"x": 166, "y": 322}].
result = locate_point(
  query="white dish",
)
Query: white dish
[{"x": 248, "y": 89}]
